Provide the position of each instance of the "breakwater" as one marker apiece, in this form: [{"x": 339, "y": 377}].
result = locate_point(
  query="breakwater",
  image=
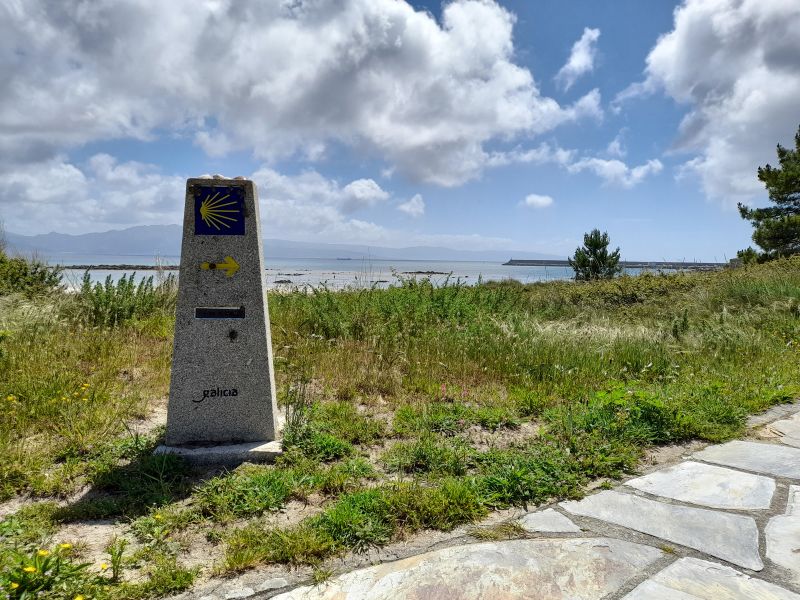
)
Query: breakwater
[
  {"x": 627, "y": 264},
  {"x": 122, "y": 267}
]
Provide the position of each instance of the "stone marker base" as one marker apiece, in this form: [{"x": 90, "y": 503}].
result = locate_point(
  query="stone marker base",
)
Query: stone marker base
[{"x": 229, "y": 454}]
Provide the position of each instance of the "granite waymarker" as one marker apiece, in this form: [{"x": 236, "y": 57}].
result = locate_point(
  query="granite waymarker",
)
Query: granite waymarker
[{"x": 223, "y": 386}]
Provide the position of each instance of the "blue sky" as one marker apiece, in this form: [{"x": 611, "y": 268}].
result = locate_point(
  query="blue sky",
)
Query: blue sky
[{"x": 470, "y": 124}]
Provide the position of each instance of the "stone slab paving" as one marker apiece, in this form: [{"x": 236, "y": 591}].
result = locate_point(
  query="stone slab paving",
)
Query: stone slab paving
[
  {"x": 783, "y": 535},
  {"x": 727, "y": 536},
  {"x": 708, "y": 485},
  {"x": 548, "y": 521},
  {"x": 767, "y": 459},
  {"x": 789, "y": 429},
  {"x": 691, "y": 509},
  {"x": 695, "y": 579},
  {"x": 575, "y": 569}
]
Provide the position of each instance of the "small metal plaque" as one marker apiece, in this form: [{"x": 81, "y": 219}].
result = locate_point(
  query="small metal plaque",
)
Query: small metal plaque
[
  {"x": 219, "y": 210},
  {"x": 219, "y": 312}
]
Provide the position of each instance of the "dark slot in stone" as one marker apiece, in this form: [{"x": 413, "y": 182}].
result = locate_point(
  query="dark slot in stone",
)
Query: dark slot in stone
[{"x": 219, "y": 312}]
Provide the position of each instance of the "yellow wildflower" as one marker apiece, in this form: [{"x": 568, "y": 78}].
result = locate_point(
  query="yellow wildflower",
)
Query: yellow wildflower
[
  {"x": 14, "y": 585},
  {"x": 65, "y": 546},
  {"x": 43, "y": 552},
  {"x": 64, "y": 398},
  {"x": 157, "y": 516},
  {"x": 29, "y": 569},
  {"x": 78, "y": 597},
  {"x": 103, "y": 566}
]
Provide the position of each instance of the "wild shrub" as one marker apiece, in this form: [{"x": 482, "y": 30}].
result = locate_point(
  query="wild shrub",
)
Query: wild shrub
[
  {"x": 29, "y": 277},
  {"x": 114, "y": 303}
]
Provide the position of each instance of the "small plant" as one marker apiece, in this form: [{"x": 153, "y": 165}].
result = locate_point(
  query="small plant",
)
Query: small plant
[
  {"x": 34, "y": 573},
  {"x": 321, "y": 575},
  {"x": 298, "y": 413},
  {"x": 151, "y": 530},
  {"x": 116, "y": 551},
  {"x": 164, "y": 576}
]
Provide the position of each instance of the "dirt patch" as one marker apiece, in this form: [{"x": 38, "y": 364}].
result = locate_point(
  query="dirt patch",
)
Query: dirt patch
[
  {"x": 483, "y": 439},
  {"x": 766, "y": 432},
  {"x": 90, "y": 538},
  {"x": 156, "y": 418},
  {"x": 198, "y": 551},
  {"x": 660, "y": 456},
  {"x": 9, "y": 507}
]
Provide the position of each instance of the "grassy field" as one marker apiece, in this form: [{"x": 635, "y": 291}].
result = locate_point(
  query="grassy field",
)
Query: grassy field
[{"x": 412, "y": 408}]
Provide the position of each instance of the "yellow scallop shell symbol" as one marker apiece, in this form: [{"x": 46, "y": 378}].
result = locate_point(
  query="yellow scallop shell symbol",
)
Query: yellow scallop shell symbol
[{"x": 217, "y": 213}]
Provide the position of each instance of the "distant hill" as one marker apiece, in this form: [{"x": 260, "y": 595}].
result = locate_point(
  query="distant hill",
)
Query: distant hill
[{"x": 165, "y": 240}]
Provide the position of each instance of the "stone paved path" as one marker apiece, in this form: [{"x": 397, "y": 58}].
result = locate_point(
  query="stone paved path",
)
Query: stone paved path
[{"x": 723, "y": 524}]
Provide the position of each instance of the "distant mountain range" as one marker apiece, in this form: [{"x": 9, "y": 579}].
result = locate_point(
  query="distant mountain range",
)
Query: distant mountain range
[{"x": 165, "y": 240}]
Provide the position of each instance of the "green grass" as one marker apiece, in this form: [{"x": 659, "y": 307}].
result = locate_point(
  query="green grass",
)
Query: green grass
[
  {"x": 357, "y": 521},
  {"x": 409, "y": 408},
  {"x": 429, "y": 454}
]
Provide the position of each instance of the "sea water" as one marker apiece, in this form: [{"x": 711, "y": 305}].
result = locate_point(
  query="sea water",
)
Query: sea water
[{"x": 287, "y": 273}]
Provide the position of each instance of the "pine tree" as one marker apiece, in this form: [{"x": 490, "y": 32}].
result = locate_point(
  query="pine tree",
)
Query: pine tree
[
  {"x": 777, "y": 228},
  {"x": 593, "y": 260}
]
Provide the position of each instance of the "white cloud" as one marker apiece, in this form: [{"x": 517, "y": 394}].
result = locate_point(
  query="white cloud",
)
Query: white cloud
[
  {"x": 414, "y": 207},
  {"x": 276, "y": 78},
  {"x": 581, "y": 59},
  {"x": 735, "y": 64},
  {"x": 543, "y": 154},
  {"x": 313, "y": 202},
  {"x": 362, "y": 193},
  {"x": 106, "y": 194},
  {"x": 57, "y": 195},
  {"x": 308, "y": 206},
  {"x": 537, "y": 201},
  {"x": 617, "y": 172},
  {"x": 616, "y": 147},
  {"x": 613, "y": 171}
]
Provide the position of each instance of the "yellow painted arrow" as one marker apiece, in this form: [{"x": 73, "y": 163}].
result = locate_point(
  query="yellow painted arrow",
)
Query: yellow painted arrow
[{"x": 230, "y": 266}]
